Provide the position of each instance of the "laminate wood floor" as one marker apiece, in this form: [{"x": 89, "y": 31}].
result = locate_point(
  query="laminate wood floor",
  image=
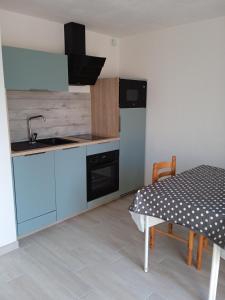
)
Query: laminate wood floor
[{"x": 99, "y": 256}]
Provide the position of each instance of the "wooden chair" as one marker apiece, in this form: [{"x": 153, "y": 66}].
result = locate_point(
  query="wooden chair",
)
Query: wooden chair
[{"x": 156, "y": 175}]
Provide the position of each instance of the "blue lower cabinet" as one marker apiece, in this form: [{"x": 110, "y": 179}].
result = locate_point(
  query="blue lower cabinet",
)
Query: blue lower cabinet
[
  {"x": 34, "y": 185},
  {"x": 70, "y": 176},
  {"x": 132, "y": 148}
]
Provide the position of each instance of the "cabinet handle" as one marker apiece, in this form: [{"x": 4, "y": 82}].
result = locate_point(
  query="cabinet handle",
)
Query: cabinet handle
[
  {"x": 38, "y": 90},
  {"x": 70, "y": 148},
  {"x": 39, "y": 153},
  {"x": 119, "y": 123}
]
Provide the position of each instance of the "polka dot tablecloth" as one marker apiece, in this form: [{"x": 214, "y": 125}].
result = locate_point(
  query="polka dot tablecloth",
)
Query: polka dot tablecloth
[{"x": 194, "y": 199}]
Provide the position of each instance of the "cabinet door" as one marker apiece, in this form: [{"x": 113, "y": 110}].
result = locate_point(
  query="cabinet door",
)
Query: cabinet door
[
  {"x": 34, "y": 185},
  {"x": 26, "y": 69},
  {"x": 70, "y": 174},
  {"x": 132, "y": 148}
]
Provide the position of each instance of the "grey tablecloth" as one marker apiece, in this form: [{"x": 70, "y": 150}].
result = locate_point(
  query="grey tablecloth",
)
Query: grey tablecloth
[{"x": 194, "y": 199}]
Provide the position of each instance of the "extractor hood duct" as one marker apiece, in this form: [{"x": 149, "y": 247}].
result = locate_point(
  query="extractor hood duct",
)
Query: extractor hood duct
[{"x": 82, "y": 69}]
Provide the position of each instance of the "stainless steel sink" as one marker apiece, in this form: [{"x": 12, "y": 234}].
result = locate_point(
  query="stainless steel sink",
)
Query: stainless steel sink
[{"x": 26, "y": 145}]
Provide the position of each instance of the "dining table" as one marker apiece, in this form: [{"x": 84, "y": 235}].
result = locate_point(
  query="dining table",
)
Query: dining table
[{"x": 194, "y": 199}]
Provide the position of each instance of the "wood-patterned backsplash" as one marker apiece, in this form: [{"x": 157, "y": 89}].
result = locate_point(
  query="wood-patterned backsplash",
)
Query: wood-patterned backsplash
[{"x": 66, "y": 113}]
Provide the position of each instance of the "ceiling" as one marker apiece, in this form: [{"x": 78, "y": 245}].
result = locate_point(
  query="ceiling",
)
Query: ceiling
[{"x": 119, "y": 17}]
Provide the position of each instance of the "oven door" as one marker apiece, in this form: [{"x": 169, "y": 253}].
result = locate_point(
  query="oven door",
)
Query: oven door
[
  {"x": 102, "y": 175},
  {"x": 132, "y": 93}
]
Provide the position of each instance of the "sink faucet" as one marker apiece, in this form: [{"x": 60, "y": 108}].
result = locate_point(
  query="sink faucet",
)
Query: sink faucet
[{"x": 33, "y": 136}]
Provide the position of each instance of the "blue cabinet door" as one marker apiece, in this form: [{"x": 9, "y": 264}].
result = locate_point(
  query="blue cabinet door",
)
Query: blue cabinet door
[
  {"x": 26, "y": 69},
  {"x": 132, "y": 148},
  {"x": 34, "y": 186},
  {"x": 70, "y": 175}
]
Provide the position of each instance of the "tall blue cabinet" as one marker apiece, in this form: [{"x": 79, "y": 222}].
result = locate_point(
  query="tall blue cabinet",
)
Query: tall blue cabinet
[
  {"x": 132, "y": 148},
  {"x": 108, "y": 119}
]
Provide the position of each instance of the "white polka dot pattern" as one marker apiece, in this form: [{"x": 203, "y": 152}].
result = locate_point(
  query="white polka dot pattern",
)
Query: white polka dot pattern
[{"x": 194, "y": 199}]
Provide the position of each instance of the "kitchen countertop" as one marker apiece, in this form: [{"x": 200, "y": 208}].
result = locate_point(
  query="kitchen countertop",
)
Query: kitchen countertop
[{"x": 78, "y": 142}]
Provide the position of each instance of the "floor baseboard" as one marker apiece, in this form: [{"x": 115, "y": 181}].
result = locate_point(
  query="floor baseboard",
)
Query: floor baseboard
[{"x": 9, "y": 248}]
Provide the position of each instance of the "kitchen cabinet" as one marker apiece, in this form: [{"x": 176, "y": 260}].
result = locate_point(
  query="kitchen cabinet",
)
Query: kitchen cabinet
[
  {"x": 105, "y": 107},
  {"x": 26, "y": 69},
  {"x": 132, "y": 148},
  {"x": 127, "y": 123},
  {"x": 52, "y": 186},
  {"x": 70, "y": 177},
  {"x": 34, "y": 185}
]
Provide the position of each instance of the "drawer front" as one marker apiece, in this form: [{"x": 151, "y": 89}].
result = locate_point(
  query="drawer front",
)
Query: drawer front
[
  {"x": 103, "y": 147},
  {"x": 36, "y": 223}
]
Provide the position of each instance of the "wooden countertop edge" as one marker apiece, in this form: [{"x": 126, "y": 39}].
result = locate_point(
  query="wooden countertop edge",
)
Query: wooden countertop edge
[{"x": 81, "y": 142}]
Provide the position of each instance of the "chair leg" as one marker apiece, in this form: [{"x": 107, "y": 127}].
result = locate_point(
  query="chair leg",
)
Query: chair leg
[
  {"x": 200, "y": 252},
  {"x": 170, "y": 228},
  {"x": 152, "y": 237},
  {"x": 190, "y": 247},
  {"x": 205, "y": 243}
]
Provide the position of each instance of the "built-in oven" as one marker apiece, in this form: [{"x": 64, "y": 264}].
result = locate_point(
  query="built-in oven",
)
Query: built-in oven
[
  {"x": 102, "y": 174},
  {"x": 132, "y": 93}
]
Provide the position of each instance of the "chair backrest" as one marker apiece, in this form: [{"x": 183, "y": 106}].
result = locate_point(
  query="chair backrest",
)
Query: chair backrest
[{"x": 171, "y": 165}]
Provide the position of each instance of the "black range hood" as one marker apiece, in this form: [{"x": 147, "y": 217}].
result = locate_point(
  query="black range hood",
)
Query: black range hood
[{"x": 82, "y": 69}]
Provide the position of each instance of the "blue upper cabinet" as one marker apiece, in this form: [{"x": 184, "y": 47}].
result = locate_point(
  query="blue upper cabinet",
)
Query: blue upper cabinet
[
  {"x": 132, "y": 148},
  {"x": 70, "y": 176},
  {"x": 26, "y": 69},
  {"x": 34, "y": 190}
]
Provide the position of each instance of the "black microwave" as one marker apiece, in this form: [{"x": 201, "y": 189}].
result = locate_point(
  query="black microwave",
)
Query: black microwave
[{"x": 132, "y": 93}]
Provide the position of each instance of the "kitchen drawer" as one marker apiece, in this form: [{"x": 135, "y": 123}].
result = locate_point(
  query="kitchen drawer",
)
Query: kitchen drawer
[
  {"x": 36, "y": 223},
  {"x": 103, "y": 147}
]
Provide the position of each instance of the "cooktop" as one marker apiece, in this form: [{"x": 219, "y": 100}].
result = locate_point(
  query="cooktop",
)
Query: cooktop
[{"x": 89, "y": 137}]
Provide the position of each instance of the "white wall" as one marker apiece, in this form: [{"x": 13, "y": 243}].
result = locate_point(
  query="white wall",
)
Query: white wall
[
  {"x": 28, "y": 32},
  {"x": 7, "y": 212},
  {"x": 185, "y": 69}
]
